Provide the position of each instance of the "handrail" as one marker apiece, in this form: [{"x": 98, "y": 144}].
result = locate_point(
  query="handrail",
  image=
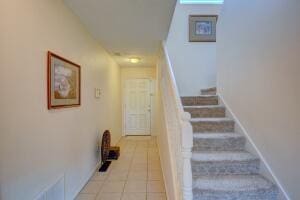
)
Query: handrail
[
  {"x": 179, "y": 128},
  {"x": 173, "y": 80}
]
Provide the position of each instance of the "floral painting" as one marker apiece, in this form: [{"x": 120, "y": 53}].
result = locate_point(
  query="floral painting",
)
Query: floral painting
[{"x": 63, "y": 82}]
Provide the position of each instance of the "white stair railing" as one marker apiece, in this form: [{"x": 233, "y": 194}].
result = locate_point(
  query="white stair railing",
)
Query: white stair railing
[{"x": 178, "y": 126}]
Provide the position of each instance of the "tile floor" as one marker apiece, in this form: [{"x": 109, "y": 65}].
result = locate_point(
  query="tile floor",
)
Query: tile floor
[{"x": 136, "y": 175}]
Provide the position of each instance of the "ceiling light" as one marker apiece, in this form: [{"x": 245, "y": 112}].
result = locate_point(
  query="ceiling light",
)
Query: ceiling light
[{"x": 134, "y": 60}]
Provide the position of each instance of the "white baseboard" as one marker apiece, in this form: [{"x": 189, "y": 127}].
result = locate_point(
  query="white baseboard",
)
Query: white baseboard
[
  {"x": 283, "y": 195},
  {"x": 43, "y": 193},
  {"x": 86, "y": 180}
]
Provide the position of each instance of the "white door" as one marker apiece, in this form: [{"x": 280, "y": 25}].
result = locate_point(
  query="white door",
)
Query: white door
[{"x": 137, "y": 107}]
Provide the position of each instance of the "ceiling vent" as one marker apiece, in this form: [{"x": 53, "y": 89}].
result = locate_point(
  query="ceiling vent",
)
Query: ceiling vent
[{"x": 117, "y": 54}]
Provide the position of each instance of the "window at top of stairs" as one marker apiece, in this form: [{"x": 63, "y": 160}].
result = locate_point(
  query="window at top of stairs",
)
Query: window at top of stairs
[{"x": 201, "y": 1}]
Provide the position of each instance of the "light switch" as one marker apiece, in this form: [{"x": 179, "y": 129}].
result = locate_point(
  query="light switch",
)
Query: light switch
[{"x": 97, "y": 93}]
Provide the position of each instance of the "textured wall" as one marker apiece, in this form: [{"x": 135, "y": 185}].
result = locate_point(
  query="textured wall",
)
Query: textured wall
[
  {"x": 258, "y": 76},
  {"x": 37, "y": 145}
]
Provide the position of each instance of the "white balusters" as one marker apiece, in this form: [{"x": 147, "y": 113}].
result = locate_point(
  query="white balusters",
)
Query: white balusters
[{"x": 187, "y": 145}]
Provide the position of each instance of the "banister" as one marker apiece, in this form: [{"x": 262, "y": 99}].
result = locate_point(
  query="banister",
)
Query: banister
[{"x": 179, "y": 128}]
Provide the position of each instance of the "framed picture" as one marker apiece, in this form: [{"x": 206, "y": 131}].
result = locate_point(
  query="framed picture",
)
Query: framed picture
[
  {"x": 63, "y": 82},
  {"x": 202, "y": 28}
]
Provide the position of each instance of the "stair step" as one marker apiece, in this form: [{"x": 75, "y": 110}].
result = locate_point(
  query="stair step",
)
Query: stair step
[
  {"x": 209, "y": 91},
  {"x": 205, "y": 111},
  {"x": 224, "y": 163},
  {"x": 212, "y": 125},
  {"x": 234, "y": 187},
  {"x": 218, "y": 142},
  {"x": 200, "y": 100}
]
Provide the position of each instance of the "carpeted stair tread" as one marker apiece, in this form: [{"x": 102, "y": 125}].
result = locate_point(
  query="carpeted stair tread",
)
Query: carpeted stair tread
[
  {"x": 220, "y": 156},
  {"x": 204, "y": 106},
  {"x": 219, "y": 119},
  {"x": 212, "y": 90},
  {"x": 232, "y": 183},
  {"x": 218, "y": 142},
  {"x": 210, "y": 111},
  {"x": 217, "y": 135},
  {"x": 207, "y": 125}
]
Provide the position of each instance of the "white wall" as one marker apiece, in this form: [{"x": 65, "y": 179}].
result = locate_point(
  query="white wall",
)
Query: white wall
[
  {"x": 37, "y": 145},
  {"x": 141, "y": 73},
  {"x": 194, "y": 63},
  {"x": 258, "y": 76}
]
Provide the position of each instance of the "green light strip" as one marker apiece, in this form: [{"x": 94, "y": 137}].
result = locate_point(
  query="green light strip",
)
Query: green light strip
[{"x": 201, "y": 1}]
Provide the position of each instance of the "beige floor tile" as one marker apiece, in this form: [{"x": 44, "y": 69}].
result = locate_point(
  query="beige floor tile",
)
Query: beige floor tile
[
  {"x": 156, "y": 196},
  {"x": 152, "y": 145},
  {"x": 139, "y": 166},
  {"x": 120, "y": 168},
  {"x": 86, "y": 197},
  {"x": 139, "y": 161},
  {"x": 113, "y": 187},
  {"x": 135, "y": 186},
  {"x": 153, "y": 151},
  {"x": 118, "y": 175},
  {"x": 109, "y": 196},
  {"x": 137, "y": 158},
  {"x": 140, "y": 157},
  {"x": 155, "y": 187},
  {"x": 123, "y": 161},
  {"x": 126, "y": 150},
  {"x": 137, "y": 175},
  {"x": 125, "y": 157},
  {"x": 155, "y": 175},
  {"x": 140, "y": 170},
  {"x": 134, "y": 196},
  {"x": 154, "y": 159},
  {"x": 141, "y": 151},
  {"x": 99, "y": 176},
  {"x": 92, "y": 187},
  {"x": 154, "y": 166}
]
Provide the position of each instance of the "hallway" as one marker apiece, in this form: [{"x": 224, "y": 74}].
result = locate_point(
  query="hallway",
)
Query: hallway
[{"x": 136, "y": 175}]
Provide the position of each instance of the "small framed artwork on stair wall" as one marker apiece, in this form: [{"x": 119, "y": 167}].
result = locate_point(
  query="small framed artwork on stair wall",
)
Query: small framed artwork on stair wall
[
  {"x": 63, "y": 82},
  {"x": 202, "y": 28}
]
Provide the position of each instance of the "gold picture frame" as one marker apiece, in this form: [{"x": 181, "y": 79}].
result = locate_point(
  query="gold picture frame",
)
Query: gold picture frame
[{"x": 64, "y": 82}]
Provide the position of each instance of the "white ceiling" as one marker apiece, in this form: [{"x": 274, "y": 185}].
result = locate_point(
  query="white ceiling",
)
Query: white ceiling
[{"x": 133, "y": 28}]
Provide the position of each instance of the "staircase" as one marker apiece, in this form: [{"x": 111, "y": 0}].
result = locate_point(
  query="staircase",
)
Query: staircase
[{"x": 222, "y": 169}]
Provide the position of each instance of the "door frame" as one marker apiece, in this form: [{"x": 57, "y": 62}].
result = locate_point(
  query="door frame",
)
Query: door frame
[{"x": 152, "y": 86}]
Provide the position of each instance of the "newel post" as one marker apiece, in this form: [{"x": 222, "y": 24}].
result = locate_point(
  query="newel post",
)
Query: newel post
[{"x": 187, "y": 145}]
